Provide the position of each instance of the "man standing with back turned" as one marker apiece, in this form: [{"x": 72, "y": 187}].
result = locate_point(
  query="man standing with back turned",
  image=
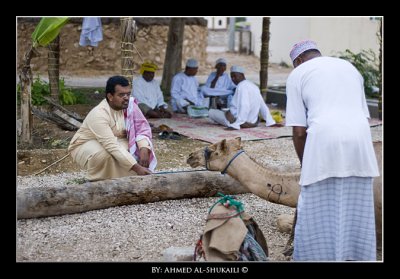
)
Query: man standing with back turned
[{"x": 327, "y": 109}]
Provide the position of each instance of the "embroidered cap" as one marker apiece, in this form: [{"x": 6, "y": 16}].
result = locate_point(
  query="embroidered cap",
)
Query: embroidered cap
[
  {"x": 192, "y": 63},
  {"x": 237, "y": 69},
  {"x": 301, "y": 47}
]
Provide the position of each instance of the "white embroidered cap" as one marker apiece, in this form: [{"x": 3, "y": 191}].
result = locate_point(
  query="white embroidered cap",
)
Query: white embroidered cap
[
  {"x": 301, "y": 47},
  {"x": 221, "y": 60},
  {"x": 192, "y": 63},
  {"x": 237, "y": 69}
]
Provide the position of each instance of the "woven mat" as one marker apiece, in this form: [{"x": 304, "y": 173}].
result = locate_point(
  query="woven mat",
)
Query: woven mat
[{"x": 206, "y": 130}]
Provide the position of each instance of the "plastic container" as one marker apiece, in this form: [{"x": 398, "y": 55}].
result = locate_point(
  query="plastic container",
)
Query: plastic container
[{"x": 195, "y": 112}]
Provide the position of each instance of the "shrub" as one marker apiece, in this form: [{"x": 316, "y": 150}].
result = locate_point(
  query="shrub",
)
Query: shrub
[
  {"x": 66, "y": 96},
  {"x": 41, "y": 88},
  {"x": 366, "y": 64}
]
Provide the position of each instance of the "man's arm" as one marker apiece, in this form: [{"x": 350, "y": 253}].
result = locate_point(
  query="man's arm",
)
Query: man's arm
[
  {"x": 299, "y": 141},
  {"x": 160, "y": 97},
  {"x": 243, "y": 108},
  {"x": 176, "y": 88},
  {"x": 144, "y": 152}
]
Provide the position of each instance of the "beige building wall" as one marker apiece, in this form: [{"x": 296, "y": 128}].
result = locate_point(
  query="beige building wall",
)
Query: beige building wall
[{"x": 332, "y": 34}]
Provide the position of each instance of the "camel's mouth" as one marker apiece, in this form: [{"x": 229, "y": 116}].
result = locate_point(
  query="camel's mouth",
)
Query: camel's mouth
[{"x": 192, "y": 161}]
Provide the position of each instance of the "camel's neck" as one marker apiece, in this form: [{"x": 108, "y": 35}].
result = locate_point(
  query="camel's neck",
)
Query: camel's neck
[{"x": 267, "y": 184}]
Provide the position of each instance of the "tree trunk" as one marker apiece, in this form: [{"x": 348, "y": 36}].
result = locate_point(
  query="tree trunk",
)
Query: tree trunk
[
  {"x": 264, "y": 57},
  {"x": 25, "y": 77},
  {"x": 58, "y": 200},
  {"x": 380, "y": 69},
  {"x": 128, "y": 37},
  {"x": 53, "y": 60},
  {"x": 173, "y": 56}
]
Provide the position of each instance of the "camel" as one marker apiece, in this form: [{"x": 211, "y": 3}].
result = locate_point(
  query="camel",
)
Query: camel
[{"x": 228, "y": 157}]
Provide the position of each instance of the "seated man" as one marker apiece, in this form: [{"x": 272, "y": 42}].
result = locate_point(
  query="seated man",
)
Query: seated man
[
  {"x": 148, "y": 93},
  {"x": 185, "y": 89},
  {"x": 219, "y": 86},
  {"x": 113, "y": 127},
  {"x": 245, "y": 107}
]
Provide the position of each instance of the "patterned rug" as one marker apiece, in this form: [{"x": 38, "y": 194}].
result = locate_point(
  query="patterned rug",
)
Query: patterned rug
[
  {"x": 374, "y": 122},
  {"x": 206, "y": 130}
]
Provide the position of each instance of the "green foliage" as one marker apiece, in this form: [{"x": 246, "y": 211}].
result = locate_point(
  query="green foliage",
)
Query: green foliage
[
  {"x": 40, "y": 88},
  {"x": 47, "y": 30},
  {"x": 80, "y": 97},
  {"x": 66, "y": 96},
  {"x": 77, "y": 181},
  {"x": 59, "y": 143},
  {"x": 283, "y": 64},
  {"x": 366, "y": 64}
]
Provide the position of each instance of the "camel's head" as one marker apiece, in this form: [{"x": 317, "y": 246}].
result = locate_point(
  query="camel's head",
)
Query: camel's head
[{"x": 215, "y": 156}]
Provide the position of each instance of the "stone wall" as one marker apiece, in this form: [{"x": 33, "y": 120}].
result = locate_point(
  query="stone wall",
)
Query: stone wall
[{"x": 105, "y": 59}]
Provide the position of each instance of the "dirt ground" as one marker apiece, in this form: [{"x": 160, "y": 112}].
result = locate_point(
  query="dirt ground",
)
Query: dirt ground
[{"x": 50, "y": 141}]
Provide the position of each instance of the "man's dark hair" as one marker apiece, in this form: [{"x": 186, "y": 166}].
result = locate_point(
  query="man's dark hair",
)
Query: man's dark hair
[
  {"x": 311, "y": 51},
  {"x": 114, "y": 81}
]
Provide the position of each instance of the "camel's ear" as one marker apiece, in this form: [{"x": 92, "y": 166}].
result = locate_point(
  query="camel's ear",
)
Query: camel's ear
[
  {"x": 223, "y": 145},
  {"x": 238, "y": 142}
]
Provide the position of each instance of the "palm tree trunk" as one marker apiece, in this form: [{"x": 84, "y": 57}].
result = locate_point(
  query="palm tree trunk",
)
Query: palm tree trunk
[
  {"x": 25, "y": 77},
  {"x": 173, "y": 56},
  {"x": 264, "y": 57},
  {"x": 53, "y": 61}
]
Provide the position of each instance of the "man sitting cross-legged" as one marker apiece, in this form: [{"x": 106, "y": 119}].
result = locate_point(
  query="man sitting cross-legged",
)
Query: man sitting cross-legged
[
  {"x": 147, "y": 92},
  {"x": 245, "y": 106}
]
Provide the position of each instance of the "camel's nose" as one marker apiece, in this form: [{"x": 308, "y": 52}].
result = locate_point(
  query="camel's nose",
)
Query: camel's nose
[{"x": 191, "y": 161}]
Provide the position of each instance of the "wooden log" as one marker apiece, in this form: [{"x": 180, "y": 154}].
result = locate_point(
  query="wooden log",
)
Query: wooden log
[
  {"x": 59, "y": 200},
  {"x": 50, "y": 116},
  {"x": 67, "y": 118},
  {"x": 70, "y": 113}
]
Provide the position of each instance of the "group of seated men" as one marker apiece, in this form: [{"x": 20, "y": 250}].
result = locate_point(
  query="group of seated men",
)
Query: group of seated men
[
  {"x": 114, "y": 140},
  {"x": 235, "y": 102}
]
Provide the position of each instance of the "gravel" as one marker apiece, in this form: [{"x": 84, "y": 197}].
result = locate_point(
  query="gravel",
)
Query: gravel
[{"x": 140, "y": 233}]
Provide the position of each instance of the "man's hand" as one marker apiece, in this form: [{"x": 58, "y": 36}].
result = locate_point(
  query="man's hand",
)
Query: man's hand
[
  {"x": 140, "y": 170},
  {"x": 190, "y": 102},
  {"x": 144, "y": 157}
]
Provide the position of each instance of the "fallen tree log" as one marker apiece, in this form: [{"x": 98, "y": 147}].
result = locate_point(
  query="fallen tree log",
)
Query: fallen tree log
[
  {"x": 72, "y": 114},
  {"x": 58, "y": 200},
  {"x": 50, "y": 116}
]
